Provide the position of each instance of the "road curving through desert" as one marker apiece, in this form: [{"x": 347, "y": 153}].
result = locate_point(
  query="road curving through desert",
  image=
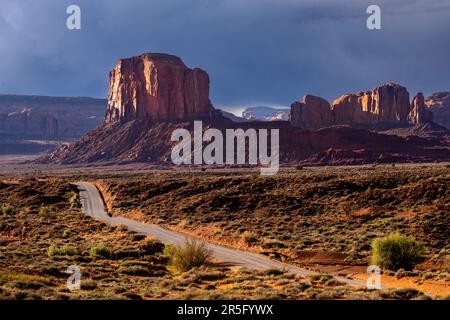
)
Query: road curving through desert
[{"x": 93, "y": 206}]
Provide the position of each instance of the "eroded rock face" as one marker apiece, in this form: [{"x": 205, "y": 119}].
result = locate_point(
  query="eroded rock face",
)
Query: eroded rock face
[
  {"x": 439, "y": 104},
  {"x": 311, "y": 113},
  {"x": 157, "y": 87},
  {"x": 419, "y": 113},
  {"x": 384, "y": 107}
]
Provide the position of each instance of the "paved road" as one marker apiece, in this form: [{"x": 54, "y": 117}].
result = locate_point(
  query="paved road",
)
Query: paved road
[{"x": 93, "y": 206}]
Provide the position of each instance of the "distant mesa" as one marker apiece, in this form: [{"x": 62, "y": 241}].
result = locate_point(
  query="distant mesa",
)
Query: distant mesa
[
  {"x": 385, "y": 107},
  {"x": 29, "y": 121},
  {"x": 41, "y": 117}
]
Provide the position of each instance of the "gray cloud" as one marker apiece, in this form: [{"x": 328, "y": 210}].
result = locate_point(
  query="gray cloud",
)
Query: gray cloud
[{"x": 256, "y": 51}]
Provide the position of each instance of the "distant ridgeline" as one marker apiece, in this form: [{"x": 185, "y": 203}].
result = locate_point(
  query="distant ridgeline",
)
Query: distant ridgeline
[{"x": 40, "y": 117}]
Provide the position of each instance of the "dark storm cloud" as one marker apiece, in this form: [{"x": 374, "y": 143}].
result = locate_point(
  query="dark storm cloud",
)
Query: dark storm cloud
[{"x": 256, "y": 51}]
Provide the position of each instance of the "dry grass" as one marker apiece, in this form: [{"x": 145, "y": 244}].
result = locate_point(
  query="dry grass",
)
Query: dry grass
[
  {"x": 310, "y": 216},
  {"x": 288, "y": 216}
]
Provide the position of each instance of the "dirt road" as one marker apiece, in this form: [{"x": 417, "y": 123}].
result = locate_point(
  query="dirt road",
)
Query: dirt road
[{"x": 93, "y": 206}]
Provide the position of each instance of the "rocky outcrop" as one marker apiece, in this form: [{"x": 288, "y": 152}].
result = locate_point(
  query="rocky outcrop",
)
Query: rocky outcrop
[
  {"x": 311, "y": 113},
  {"x": 383, "y": 108},
  {"x": 439, "y": 104},
  {"x": 157, "y": 87},
  {"x": 29, "y": 122},
  {"x": 387, "y": 105},
  {"x": 419, "y": 113}
]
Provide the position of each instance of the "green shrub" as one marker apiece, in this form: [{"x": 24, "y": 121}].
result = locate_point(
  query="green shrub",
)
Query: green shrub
[
  {"x": 46, "y": 213},
  {"x": 74, "y": 200},
  {"x": 55, "y": 250},
  {"x": 192, "y": 254},
  {"x": 100, "y": 251},
  {"x": 7, "y": 209},
  {"x": 396, "y": 251},
  {"x": 67, "y": 233}
]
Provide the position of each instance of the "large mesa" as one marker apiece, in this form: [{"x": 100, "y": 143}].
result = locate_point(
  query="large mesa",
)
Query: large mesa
[{"x": 158, "y": 87}]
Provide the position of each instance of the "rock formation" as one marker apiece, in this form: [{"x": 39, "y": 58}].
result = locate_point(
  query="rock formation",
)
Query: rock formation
[
  {"x": 311, "y": 113},
  {"x": 384, "y": 107},
  {"x": 439, "y": 104},
  {"x": 419, "y": 113},
  {"x": 157, "y": 87},
  {"x": 153, "y": 94}
]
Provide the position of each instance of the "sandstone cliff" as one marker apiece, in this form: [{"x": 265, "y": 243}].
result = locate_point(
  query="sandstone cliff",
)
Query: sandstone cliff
[
  {"x": 384, "y": 107},
  {"x": 157, "y": 87},
  {"x": 311, "y": 113},
  {"x": 419, "y": 113}
]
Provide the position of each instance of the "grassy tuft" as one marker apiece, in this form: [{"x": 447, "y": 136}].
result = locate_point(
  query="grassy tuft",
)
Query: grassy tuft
[
  {"x": 191, "y": 255},
  {"x": 100, "y": 251}
]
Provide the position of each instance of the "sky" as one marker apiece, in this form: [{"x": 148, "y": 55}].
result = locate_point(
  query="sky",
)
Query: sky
[{"x": 257, "y": 52}]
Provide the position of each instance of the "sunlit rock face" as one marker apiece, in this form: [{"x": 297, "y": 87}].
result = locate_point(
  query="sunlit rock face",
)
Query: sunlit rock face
[
  {"x": 386, "y": 106},
  {"x": 157, "y": 87}
]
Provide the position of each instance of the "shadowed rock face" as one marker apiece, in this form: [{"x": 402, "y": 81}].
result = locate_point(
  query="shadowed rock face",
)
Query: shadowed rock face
[
  {"x": 40, "y": 117},
  {"x": 419, "y": 112},
  {"x": 144, "y": 141},
  {"x": 439, "y": 104},
  {"x": 384, "y": 107},
  {"x": 311, "y": 113},
  {"x": 157, "y": 87}
]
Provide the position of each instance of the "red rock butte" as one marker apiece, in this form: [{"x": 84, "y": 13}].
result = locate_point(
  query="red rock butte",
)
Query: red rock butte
[
  {"x": 384, "y": 107},
  {"x": 158, "y": 87}
]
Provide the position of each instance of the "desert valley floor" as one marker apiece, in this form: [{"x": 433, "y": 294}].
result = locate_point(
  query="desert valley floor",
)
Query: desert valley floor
[{"x": 318, "y": 218}]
